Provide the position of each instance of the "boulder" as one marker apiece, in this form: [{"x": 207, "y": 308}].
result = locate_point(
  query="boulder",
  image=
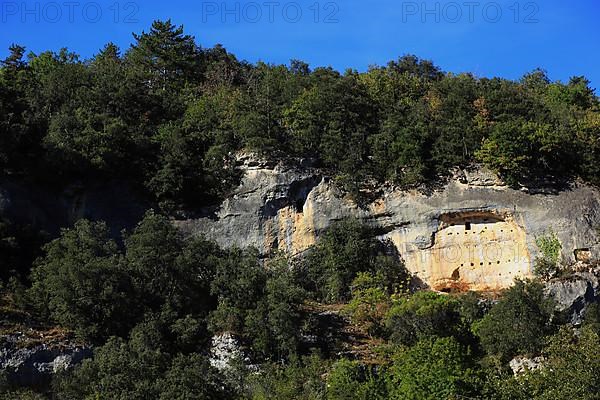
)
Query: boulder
[{"x": 32, "y": 365}]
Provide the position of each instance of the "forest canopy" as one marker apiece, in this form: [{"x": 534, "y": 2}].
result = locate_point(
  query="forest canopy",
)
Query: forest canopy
[{"x": 169, "y": 115}]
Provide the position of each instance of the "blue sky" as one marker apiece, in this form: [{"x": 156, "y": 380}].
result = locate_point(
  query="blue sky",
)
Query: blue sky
[{"x": 498, "y": 38}]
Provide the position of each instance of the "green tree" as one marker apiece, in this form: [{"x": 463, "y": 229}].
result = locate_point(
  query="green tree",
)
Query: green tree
[
  {"x": 424, "y": 315},
  {"x": 518, "y": 323},
  {"x": 80, "y": 283},
  {"x": 346, "y": 249},
  {"x": 435, "y": 368},
  {"x": 349, "y": 380},
  {"x": 164, "y": 60},
  {"x": 192, "y": 377},
  {"x": 260, "y": 305},
  {"x": 120, "y": 369},
  {"x": 570, "y": 370}
]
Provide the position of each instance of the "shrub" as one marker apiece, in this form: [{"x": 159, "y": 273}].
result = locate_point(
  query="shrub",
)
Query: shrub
[
  {"x": 547, "y": 264},
  {"x": 370, "y": 302},
  {"x": 350, "y": 380}
]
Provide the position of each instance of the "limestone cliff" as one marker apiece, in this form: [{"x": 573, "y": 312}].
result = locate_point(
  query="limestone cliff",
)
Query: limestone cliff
[{"x": 474, "y": 233}]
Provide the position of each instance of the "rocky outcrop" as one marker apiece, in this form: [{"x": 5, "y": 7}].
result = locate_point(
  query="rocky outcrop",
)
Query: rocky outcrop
[
  {"x": 49, "y": 210},
  {"x": 520, "y": 365},
  {"x": 574, "y": 293},
  {"x": 472, "y": 233},
  {"x": 225, "y": 351},
  {"x": 27, "y": 362}
]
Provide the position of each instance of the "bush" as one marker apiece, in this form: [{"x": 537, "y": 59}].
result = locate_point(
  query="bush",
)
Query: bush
[
  {"x": 547, "y": 264},
  {"x": 370, "y": 302},
  {"x": 570, "y": 371},
  {"x": 350, "y": 380},
  {"x": 300, "y": 380}
]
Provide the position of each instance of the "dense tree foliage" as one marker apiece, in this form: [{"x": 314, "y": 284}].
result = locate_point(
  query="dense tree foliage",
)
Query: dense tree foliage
[
  {"x": 345, "y": 250},
  {"x": 170, "y": 115},
  {"x": 519, "y": 322}
]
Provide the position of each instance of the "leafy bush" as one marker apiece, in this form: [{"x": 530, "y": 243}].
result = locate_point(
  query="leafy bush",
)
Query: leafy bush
[
  {"x": 370, "y": 302},
  {"x": 570, "y": 370},
  {"x": 547, "y": 264},
  {"x": 300, "y": 380},
  {"x": 349, "y": 380}
]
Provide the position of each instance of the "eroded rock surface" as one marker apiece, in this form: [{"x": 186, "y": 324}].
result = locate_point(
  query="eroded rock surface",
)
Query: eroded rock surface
[
  {"x": 474, "y": 233},
  {"x": 27, "y": 364},
  {"x": 574, "y": 293},
  {"x": 520, "y": 365}
]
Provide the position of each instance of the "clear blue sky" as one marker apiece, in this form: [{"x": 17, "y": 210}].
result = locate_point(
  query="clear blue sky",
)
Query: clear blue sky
[{"x": 561, "y": 36}]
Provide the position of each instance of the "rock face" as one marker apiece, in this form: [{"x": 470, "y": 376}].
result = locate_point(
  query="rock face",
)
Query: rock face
[
  {"x": 46, "y": 210},
  {"x": 474, "y": 233},
  {"x": 225, "y": 351},
  {"x": 35, "y": 365},
  {"x": 520, "y": 365},
  {"x": 573, "y": 294}
]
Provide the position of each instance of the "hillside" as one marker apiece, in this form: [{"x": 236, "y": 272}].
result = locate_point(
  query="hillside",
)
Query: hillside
[{"x": 176, "y": 223}]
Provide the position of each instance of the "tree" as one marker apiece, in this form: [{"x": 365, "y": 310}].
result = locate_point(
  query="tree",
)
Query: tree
[
  {"x": 196, "y": 166},
  {"x": 262, "y": 306},
  {"x": 435, "y": 368},
  {"x": 120, "y": 369},
  {"x": 346, "y": 249},
  {"x": 166, "y": 55},
  {"x": 331, "y": 120},
  {"x": 81, "y": 284},
  {"x": 570, "y": 370},
  {"x": 168, "y": 272},
  {"x": 275, "y": 325},
  {"x": 16, "y": 141},
  {"x": 192, "y": 377},
  {"x": 348, "y": 380},
  {"x": 518, "y": 323},
  {"x": 424, "y": 315}
]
